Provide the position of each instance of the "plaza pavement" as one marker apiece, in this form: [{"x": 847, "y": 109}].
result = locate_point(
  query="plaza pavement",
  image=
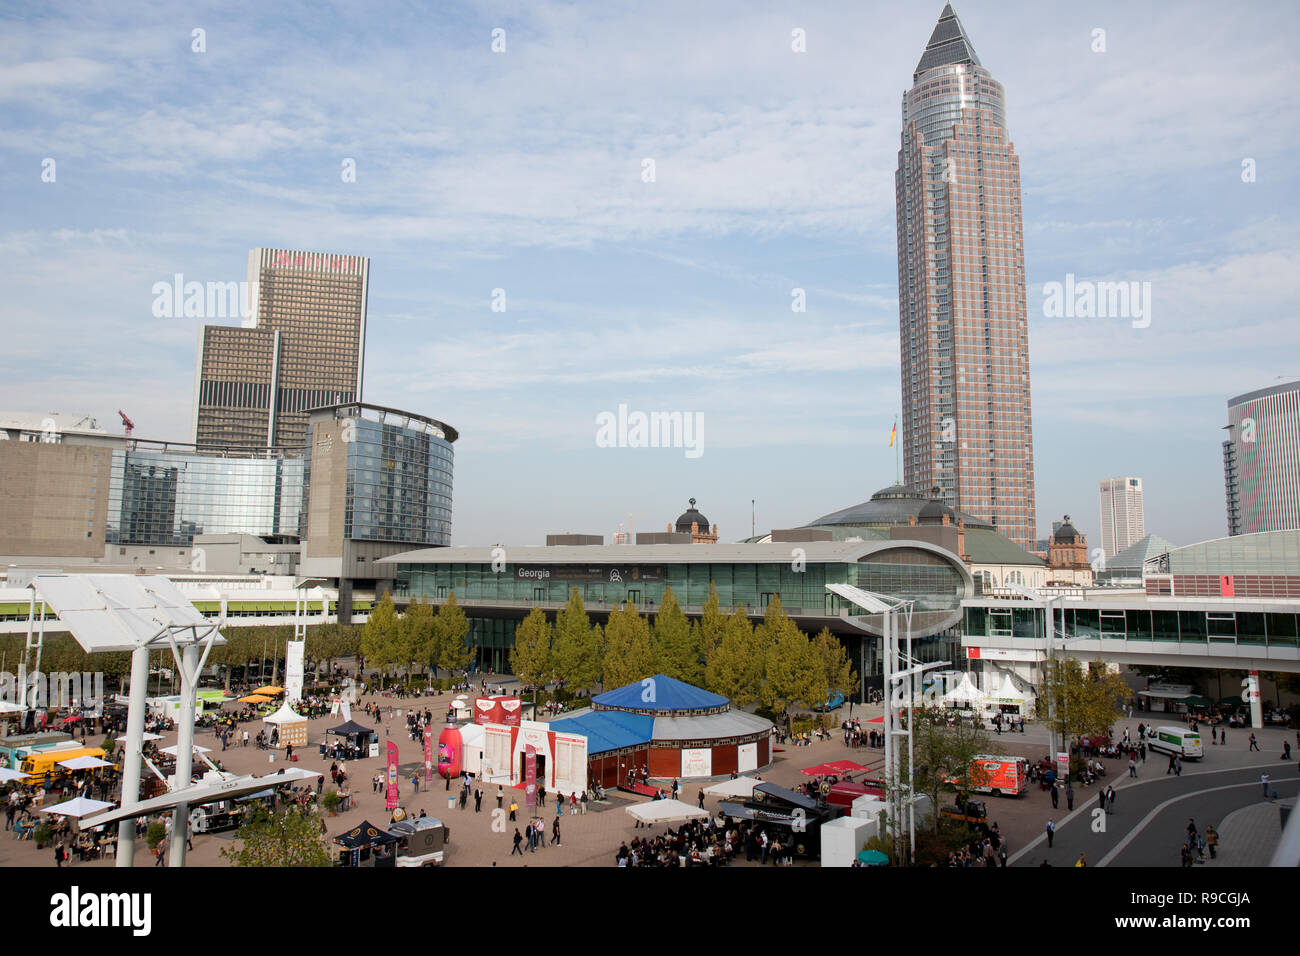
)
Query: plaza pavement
[{"x": 593, "y": 838}]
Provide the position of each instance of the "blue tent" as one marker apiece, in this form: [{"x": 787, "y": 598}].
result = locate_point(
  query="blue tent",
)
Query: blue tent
[
  {"x": 659, "y": 693},
  {"x": 607, "y": 730}
]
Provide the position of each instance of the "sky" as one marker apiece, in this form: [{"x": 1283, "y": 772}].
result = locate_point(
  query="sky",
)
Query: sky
[{"x": 1159, "y": 150}]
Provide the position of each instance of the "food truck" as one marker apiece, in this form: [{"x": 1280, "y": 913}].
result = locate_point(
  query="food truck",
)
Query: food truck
[{"x": 422, "y": 841}]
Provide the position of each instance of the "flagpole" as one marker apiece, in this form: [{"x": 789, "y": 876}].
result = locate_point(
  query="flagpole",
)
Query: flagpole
[{"x": 898, "y": 456}]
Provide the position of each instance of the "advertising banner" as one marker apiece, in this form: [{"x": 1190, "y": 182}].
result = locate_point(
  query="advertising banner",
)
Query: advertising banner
[
  {"x": 530, "y": 776},
  {"x": 391, "y": 778},
  {"x": 487, "y": 710},
  {"x": 293, "y": 658},
  {"x": 511, "y": 711},
  {"x": 697, "y": 762},
  {"x": 1063, "y": 767},
  {"x": 428, "y": 753}
]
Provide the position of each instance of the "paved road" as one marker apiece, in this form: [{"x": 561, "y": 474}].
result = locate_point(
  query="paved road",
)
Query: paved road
[{"x": 1150, "y": 819}]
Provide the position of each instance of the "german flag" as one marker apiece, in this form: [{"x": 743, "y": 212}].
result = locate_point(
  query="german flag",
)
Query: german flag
[{"x": 893, "y": 434}]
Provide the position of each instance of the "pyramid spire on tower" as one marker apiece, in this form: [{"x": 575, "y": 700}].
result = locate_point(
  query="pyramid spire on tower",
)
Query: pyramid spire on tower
[{"x": 948, "y": 44}]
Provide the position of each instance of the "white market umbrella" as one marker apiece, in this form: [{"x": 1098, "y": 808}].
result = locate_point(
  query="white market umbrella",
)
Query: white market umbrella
[
  {"x": 8, "y": 708},
  {"x": 148, "y": 736},
  {"x": 740, "y": 787},
  {"x": 78, "y": 807},
  {"x": 9, "y": 776},
  {"x": 84, "y": 763},
  {"x": 666, "y": 811}
]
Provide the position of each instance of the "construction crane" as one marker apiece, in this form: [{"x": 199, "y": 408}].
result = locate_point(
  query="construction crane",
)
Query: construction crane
[{"x": 129, "y": 425}]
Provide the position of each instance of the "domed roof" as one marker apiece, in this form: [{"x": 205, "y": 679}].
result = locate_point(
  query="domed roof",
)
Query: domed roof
[
  {"x": 692, "y": 516},
  {"x": 935, "y": 510},
  {"x": 893, "y": 506},
  {"x": 1066, "y": 534}
]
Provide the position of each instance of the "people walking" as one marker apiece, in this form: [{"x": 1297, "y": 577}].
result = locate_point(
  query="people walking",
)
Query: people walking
[
  {"x": 1254, "y": 744},
  {"x": 1212, "y": 840},
  {"x": 514, "y": 808},
  {"x": 518, "y": 840},
  {"x": 1069, "y": 797},
  {"x": 1178, "y": 766},
  {"x": 1263, "y": 779},
  {"x": 1132, "y": 765},
  {"x": 1051, "y": 832},
  {"x": 478, "y": 799},
  {"x": 555, "y": 831},
  {"x": 1110, "y": 799},
  {"x": 1082, "y": 860},
  {"x": 1056, "y": 796},
  {"x": 1286, "y": 751}
]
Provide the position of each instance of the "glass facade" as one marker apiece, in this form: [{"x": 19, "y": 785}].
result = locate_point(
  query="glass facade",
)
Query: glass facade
[
  {"x": 166, "y": 497},
  {"x": 934, "y": 584},
  {"x": 399, "y": 486},
  {"x": 1140, "y": 624}
]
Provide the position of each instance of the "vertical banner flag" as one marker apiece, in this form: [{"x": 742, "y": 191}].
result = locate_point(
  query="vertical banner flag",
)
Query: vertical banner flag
[
  {"x": 530, "y": 776},
  {"x": 1063, "y": 768},
  {"x": 893, "y": 434},
  {"x": 391, "y": 792},
  {"x": 293, "y": 658},
  {"x": 428, "y": 753}
]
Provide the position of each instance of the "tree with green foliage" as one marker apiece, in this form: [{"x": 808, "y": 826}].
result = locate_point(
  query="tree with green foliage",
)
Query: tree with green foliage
[
  {"x": 418, "y": 636},
  {"x": 836, "y": 668},
  {"x": 451, "y": 627},
  {"x": 944, "y": 754},
  {"x": 628, "y": 655},
  {"x": 381, "y": 637},
  {"x": 289, "y": 836},
  {"x": 675, "y": 644},
  {"x": 712, "y": 623},
  {"x": 577, "y": 650},
  {"x": 792, "y": 670},
  {"x": 531, "y": 659},
  {"x": 735, "y": 668},
  {"x": 1086, "y": 701}
]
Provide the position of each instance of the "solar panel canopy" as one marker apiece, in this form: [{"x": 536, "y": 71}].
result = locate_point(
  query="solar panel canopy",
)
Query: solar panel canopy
[{"x": 120, "y": 612}]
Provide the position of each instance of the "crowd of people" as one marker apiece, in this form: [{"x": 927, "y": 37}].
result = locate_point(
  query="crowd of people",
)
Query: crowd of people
[
  {"x": 854, "y": 736},
  {"x": 988, "y": 848},
  {"x": 714, "y": 842}
]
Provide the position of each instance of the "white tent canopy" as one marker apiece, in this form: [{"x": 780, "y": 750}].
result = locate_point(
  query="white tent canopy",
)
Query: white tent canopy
[
  {"x": 666, "y": 811},
  {"x": 85, "y": 763},
  {"x": 964, "y": 693},
  {"x": 78, "y": 807},
  {"x": 1008, "y": 693},
  {"x": 171, "y": 751},
  {"x": 9, "y": 776},
  {"x": 740, "y": 787},
  {"x": 8, "y": 708},
  {"x": 285, "y": 715},
  {"x": 205, "y": 792}
]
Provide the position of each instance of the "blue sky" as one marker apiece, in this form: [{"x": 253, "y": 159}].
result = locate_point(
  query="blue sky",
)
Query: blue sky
[{"x": 774, "y": 170}]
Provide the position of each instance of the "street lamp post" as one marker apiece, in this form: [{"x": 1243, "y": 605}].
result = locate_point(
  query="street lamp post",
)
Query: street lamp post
[{"x": 889, "y": 607}]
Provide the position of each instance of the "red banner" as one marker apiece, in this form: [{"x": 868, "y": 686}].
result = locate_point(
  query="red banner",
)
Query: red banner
[
  {"x": 530, "y": 776},
  {"x": 428, "y": 753},
  {"x": 391, "y": 792}
]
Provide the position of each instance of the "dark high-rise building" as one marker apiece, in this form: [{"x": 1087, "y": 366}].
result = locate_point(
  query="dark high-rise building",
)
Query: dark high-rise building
[
  {"x": 302, "y": 346},
  {"x": 963, "y": 329}
]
